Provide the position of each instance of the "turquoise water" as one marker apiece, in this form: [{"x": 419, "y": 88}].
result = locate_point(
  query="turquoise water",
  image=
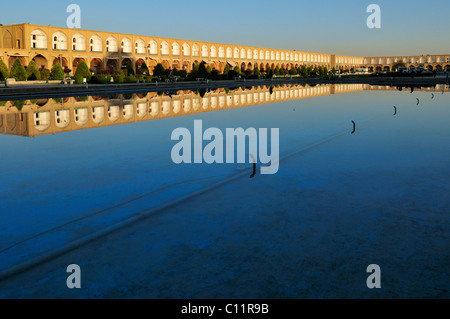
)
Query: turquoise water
[{"x": 338, "y": 203}]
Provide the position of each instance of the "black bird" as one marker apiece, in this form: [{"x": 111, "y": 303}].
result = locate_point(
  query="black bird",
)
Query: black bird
[
  {"x": 432, "y": 96},
  {"x": 418, "y": 101},
  {"x": 354, "y": 127},
  {"x": 395, "y": 108}
]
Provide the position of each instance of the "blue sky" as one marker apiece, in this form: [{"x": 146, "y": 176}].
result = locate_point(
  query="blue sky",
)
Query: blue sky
[{"x": 339, "y": 27}]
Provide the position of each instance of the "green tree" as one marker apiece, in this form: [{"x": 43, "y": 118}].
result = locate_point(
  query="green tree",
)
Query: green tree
[
  {"x": 143, "y": 69},
  {"x": 130, "y": 70},
  {"x": 202, "y": 72},
  {"x": 237, "y": 69},
  {"x": 82, "y": 72},
  {"x": 333, "y": 71},
  {"x": 256, "y": 72},
  {"x": 32, "y": 71},
  {"x": 208, "y": 69},
  {"x": 226, "y": 69},
  {"x": 18, "y": 71},
  {"x": 276, "y": 71},
  {"x": 304, "y": 71},
  {"x": 57, "y": 72},
  {"x": 4, "y": 72},
  {"x": 159, "y": 71}
]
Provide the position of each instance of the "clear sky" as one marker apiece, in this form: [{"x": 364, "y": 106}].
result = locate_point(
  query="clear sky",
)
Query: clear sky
[{"x": 339, "y": 27}]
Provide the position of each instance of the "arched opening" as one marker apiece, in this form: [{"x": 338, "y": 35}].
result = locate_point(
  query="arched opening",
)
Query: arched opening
[
  {"x": 139, "y": 67},
  {"x": 96, "y": 65},
  {"x": 438, "y": 68},
  {"x": 125, "y": 63},
  {"x": 249, "y": 66},
  {"x": 387, "y": 68},
  {"x": 75, "y": 64},
  {"x": 139, "y": 47},
  {"x": 186, "y": 49},
  {"x": 111, "y": 45},
  {"x": 78, "y": 42},
  {"x": 59, "y": 41},
  {"x": 229, "y": 53},
  {"x": 447, "y": 68},
  {"x": 111, "y": 65},
  {"x": 164, "y": 48},
  {"x": 13, "y": 59},
  {"x": 213, "y": 52},
  {"x": 38, "y": 39},
  {"x": 62, "y": 61},
  {"x": 165, "y": 64},
  {"x": 175, "y": 49},
  {"x": 152, "y": 47},
  {"x": 151, "y": 66},
  {"x": 186, "y": 66},
  {"x": 126, "y": 45},
  {"x": 195, "y": 50},
  {"x": 41, "y": 61},
  {"x": 243, "y": 67},
  {"x": 430, "y": 68},
  {"x": 378, "y": 69},
  {"x": 95, "y": 44}
]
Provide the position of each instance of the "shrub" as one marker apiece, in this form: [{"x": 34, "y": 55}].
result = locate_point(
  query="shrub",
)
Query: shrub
[
  {"x": 130, "y": 70},
  {"x": 57, "y": 72},
  {"x": 45, "y": 74},
  {"x": 130, "y": 79},
  {"x": 18, "y": 71},
  {"x": 32, "y": 71},
  {"x": 277, "y": 70},
  {"x": 119, "y": 78},
  {"x": 159, "y": 70},
  {"x": 4, "y": 72},
  {"x": 82, "y": 72},
  {"x": 226, "y": 69},
  {"x": 143, "y": 69},
  {"x": 100, "y": 79}
]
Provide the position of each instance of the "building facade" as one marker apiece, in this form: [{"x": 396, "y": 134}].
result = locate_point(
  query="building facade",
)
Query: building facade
[
  {"x": 105, "y": 50},
  {"x": 112, "y": 51}
]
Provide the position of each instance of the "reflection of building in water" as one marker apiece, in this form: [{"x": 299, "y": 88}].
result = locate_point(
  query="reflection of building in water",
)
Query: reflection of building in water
[{"x": 50, "y": 116}]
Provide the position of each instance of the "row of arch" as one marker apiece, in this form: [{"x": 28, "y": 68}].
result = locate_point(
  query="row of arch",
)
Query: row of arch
[
  {"x": 95, "y": 44},
  {"x": 407, "y": 60},
  {"x": 429, "y": 67}
]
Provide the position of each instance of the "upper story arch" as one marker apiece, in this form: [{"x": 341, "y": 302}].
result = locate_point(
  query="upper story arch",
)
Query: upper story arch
[
  {"x": 59, "y": 41},
  {"x": 112, "y": 45},
  {"x": 95, "y": 44},
  {"x": 78, "y": 42},
  {"x": 38, "y": 39}
]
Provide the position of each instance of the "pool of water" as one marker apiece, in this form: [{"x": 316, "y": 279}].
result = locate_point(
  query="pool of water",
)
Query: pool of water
[{"x": 340, "y": 201}]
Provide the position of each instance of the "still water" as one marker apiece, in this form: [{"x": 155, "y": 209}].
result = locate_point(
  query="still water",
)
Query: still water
[{"x": 73, "y": 167}]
